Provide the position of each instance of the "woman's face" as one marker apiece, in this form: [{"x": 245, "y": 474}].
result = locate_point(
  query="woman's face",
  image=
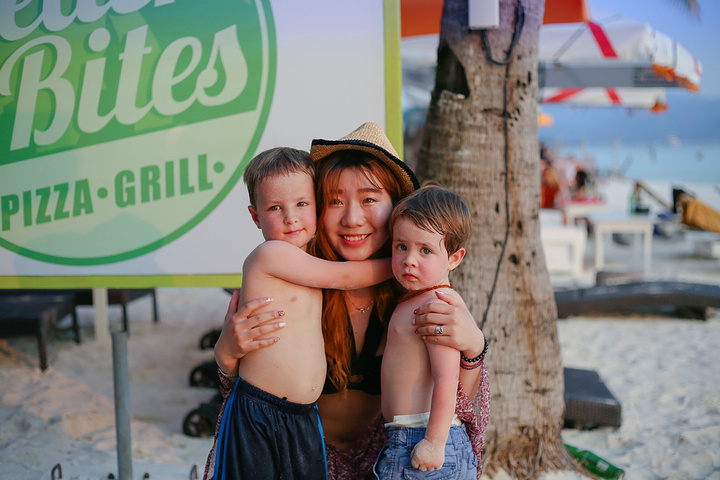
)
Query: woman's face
[{"x": 356, "y": 216}]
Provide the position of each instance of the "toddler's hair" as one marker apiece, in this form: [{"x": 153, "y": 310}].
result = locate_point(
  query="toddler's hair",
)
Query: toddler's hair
[
  {"x": 436, "y": 209},
  {"x": 273, "y": 163}
]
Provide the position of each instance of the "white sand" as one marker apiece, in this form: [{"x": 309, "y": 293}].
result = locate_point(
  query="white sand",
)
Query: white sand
[
  {"x": 664, "y": 371},
  {"x": 66, "y": 414}
]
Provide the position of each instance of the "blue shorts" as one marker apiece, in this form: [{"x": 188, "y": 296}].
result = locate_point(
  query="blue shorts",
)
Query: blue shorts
[
  {"x": 394, "y": 460},
  {"x": 262, "y": 436}
]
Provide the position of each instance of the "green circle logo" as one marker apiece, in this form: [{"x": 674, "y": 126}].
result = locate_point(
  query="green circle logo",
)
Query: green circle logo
[{"x": 123, "y": 125}]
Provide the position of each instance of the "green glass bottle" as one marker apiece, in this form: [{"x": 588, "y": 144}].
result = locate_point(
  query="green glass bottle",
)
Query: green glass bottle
[{"x": 596, "y": 465}]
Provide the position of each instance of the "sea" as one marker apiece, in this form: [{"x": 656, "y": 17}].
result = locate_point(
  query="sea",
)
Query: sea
[{"x": 671, "y": 161}]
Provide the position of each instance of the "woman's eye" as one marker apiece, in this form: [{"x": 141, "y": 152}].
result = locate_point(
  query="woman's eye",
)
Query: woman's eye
[
  {"x": 370, "y": 200},
  {"x": 303, "y": 204},
  {"x": 335, "y": 201}
]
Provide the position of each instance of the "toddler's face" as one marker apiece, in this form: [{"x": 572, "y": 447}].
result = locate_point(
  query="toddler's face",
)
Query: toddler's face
[
  {"x": 419, "y": 257},
  {"x": 285, "y": 209}
]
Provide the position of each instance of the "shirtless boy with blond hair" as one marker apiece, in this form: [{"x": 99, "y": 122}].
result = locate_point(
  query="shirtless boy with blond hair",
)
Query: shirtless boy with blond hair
[
  {"x": 270, "y": 426},
  {"x": 420, "y": 380}
]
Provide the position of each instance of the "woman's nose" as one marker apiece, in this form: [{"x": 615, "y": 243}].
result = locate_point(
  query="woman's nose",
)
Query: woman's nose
[{"x": 353, "y": 215}]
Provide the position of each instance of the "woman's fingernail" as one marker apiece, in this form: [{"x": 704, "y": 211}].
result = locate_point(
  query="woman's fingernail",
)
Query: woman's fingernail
[
  {"x": 268, "y": 300},
  {"x": 281, "y": 313},
  {"x": 282, "y": 324},
  {"x": 413, "y": 321},
  {"x": 415, "y": 311},
  {"x": 440, "y": 293},
  {"x": 416, "y": 331}
]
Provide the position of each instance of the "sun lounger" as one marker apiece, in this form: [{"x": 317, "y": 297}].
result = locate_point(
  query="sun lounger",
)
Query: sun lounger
[
  {"x": 121, "y": 296},
  {"x": 588, "y": 402},
  {"x": 33, "y": 314},
  {"x": 116, "y": 296},
  {"x": 690, "y": 299}
]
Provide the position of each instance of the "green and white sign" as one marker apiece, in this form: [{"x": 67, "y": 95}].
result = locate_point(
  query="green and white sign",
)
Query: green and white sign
[
  {"x": 125, "y": 126},
  {"x": 121, "y": 92}
]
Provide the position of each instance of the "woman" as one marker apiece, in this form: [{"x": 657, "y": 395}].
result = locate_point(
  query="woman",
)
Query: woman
[{"x": 360, "y": 179}]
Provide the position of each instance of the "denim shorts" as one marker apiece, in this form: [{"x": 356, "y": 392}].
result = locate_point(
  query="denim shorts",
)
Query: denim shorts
[{"x": 394, "y": 460}]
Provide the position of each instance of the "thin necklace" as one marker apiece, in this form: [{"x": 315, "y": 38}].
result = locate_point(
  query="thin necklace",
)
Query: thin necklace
[
  {"x": 361, "y": 310},
  {"x": 415, "y": 293}
]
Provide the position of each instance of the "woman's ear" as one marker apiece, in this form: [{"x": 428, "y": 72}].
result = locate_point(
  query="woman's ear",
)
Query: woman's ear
[
  {"x": 254, "y": 215},
  {"x": 456, "y": 258}
]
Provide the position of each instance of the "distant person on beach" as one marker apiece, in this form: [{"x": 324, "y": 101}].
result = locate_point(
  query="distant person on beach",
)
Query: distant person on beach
[
  {"x": 552, "y": 186},
  {"x": 696, "y": 214},
  {"x": 359, "y": 180},
  {"x": 271, "y": 425},
  {"x": 419, "y": 381}
]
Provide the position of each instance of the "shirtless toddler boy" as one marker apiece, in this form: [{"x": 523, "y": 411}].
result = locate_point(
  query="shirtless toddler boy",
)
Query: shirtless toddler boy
[
  {"x": 270, "y": 427},
  {"x": 420, "y": 381}
]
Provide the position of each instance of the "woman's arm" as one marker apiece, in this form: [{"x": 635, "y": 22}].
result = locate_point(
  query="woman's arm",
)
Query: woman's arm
[
  {"x": 459, "y": 332},
  {"x": 241, "y": 329}
]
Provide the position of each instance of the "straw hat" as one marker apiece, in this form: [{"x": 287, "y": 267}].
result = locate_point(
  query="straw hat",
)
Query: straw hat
[{"x": 370, "y": 138}]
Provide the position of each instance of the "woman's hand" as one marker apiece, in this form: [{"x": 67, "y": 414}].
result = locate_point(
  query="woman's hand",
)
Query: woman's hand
[
  {"x": 459, "y": 329},
  {"x": 241, "y": 331}
]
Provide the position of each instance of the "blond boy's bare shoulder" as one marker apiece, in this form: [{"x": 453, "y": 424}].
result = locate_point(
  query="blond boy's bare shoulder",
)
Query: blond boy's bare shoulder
[
  {"x": 274, "y": 247},
  {"x": 272, "y": 251}
]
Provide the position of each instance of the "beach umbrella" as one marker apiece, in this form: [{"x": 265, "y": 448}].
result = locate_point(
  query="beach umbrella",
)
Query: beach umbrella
[
  {"x": 610, "y": 61},
  {"x": 422, "y": 17},
  {"x": 420, "y": 26},
  {"x": 613, "y": 61},
  {"x": 642, "y": 98}
]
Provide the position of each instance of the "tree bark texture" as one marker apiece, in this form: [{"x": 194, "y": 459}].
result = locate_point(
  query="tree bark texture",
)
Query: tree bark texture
[{"x": 481, "y": 141}]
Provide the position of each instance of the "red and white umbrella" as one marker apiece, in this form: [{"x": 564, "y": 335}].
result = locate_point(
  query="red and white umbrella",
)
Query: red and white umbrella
[
  {"x": 613, "y": 61},
  {"x": 642, "y": 98}
]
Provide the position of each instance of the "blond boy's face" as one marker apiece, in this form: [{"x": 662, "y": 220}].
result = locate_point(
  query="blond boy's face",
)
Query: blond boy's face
[
  {"x": 285, "y": 209},
  {"x": 419, "y": 257}
]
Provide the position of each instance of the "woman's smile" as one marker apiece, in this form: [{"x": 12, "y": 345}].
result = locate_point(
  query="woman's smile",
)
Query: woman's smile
[{"x": 354, "y": 240}]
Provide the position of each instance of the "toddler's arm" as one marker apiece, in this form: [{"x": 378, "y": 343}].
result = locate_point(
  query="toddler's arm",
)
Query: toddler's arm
[
  {"x": 288, "y": 262},
  {"x": 461, "y": 331},
  {"x": 429, "y": 453}
]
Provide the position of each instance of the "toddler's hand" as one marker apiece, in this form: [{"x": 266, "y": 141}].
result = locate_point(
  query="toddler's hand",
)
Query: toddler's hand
[{"x": 426, "y": 456}]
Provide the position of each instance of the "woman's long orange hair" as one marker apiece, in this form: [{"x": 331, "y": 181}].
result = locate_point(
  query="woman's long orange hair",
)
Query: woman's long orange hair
[{"x": 335, "y": 316}]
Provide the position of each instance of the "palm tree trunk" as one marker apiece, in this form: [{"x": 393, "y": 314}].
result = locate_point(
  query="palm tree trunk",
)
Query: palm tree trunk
[{"x": 481, "y": 141}]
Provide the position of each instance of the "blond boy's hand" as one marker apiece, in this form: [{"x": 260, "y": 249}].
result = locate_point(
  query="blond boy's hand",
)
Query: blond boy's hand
[{"x": 427, "y": 456}]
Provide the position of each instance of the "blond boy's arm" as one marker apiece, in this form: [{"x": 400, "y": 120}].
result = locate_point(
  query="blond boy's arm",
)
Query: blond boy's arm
[
  {"x": 288, "y": 262},
  {"x": 429, "y": 453}
]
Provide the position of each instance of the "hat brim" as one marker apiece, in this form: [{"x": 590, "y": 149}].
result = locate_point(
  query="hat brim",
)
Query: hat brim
[{"x": 404, "y": 174}]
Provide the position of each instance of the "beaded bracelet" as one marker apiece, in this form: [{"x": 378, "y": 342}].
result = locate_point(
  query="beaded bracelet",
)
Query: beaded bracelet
[
  {"x": 479, "y": 357},
  {"x": 227, "y": 375},
  {"x": 471, "y": 366}
]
